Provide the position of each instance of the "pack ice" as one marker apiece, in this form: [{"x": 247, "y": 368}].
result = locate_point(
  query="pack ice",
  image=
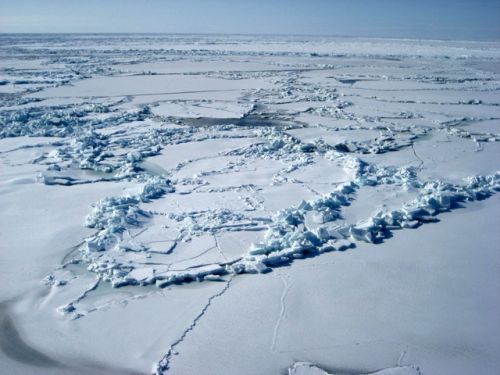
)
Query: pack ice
[{"x": 197, "y": 204}]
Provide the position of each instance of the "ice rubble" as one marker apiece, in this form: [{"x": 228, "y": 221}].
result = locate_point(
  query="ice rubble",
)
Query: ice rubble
[
  {"x": 288, "y": 235},
  {"x": 454, "y": 128},
  {"x": 307, "y": 368},
  {"x": 62, "y": 120},
  {"x": 291, "y": 89},
  {"x": 113, "y": 215}
]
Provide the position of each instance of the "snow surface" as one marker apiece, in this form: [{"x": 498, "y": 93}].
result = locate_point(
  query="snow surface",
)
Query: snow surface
[{"x": 233, "y": 205}]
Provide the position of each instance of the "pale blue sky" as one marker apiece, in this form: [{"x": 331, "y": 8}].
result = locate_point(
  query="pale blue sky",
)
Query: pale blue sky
[{"x": 430, "y": 19}]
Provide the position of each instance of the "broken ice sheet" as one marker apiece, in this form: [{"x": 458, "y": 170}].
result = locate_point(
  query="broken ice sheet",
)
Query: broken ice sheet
[{"x": 176, "y": 180}]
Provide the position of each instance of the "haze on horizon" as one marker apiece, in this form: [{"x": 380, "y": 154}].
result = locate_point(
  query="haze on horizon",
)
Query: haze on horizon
[{"x": 426, "y": 19}]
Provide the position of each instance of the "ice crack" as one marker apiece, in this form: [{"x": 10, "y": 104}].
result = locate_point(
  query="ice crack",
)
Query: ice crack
[{"x": 163, "y": 364}]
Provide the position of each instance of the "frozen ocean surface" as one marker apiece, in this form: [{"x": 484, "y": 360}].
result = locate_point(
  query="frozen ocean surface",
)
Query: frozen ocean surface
[{"x": 191, "y": 204}]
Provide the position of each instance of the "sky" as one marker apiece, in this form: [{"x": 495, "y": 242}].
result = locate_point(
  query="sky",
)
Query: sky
[{"x": 426, "y": 19}]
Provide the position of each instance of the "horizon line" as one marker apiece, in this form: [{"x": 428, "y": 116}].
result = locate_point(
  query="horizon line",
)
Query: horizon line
[{"x": 252, "y": 34}]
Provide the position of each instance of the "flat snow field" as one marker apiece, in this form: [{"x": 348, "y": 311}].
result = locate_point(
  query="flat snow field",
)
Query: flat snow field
[{"x": 212, "y": 205}]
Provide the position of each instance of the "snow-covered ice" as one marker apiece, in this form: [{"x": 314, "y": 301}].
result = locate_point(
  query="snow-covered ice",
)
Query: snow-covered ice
[{"x": 231, "y": 205}]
